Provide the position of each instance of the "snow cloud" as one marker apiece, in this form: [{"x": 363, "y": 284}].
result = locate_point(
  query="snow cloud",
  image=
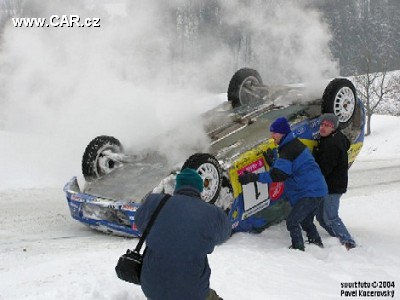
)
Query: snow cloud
[
  {"x": 77, "y": 83},
  {"x": 124, "y": 78},
  {"x": 289, "y": 39}
]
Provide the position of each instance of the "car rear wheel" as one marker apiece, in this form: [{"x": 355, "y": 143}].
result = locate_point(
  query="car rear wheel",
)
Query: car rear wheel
[
  {"x": 340, "y": 99},
  {"x": 210, "y": 171},
  {"x": 101, "y": 157},
  {"x": 242, "y": 87}
]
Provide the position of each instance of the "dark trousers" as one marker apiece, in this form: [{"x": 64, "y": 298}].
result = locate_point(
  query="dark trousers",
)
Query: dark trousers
[{"x": 302, "y": 217}]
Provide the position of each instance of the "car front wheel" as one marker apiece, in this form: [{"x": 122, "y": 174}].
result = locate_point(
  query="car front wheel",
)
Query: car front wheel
[
  {"x": 210, "y": 171},
  {"x": 242, "y": 87},
  {"x": 101, "y": 156},
  {"x": 340, "y": 99}
]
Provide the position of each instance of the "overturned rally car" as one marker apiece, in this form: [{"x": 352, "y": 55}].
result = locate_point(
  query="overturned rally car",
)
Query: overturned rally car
[{"x": 116, "y": 182}]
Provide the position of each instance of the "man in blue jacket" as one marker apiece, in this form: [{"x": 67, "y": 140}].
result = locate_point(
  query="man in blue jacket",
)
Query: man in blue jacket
[
  {"x": 175, "y": 265},
  {"x": 304, "y": 183}
]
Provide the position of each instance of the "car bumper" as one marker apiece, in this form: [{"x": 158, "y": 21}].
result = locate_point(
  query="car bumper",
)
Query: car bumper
[{"x": 116, "y": 217}]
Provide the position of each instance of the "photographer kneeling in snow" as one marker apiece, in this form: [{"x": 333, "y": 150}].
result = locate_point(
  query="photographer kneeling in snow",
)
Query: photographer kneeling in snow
[{"x": 175, "y": 265}]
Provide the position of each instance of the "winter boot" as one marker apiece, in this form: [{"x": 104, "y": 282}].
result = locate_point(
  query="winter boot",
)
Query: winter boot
[
  {"x": 297, "y": 247},
  {"x": 316, "y": 241},
  {"x": 349, "y": 245},
  {"x": 212, "y": 295}
]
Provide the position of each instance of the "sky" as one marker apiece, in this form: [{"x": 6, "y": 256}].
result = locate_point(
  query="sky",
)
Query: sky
[{"x": 45, "y": 254}]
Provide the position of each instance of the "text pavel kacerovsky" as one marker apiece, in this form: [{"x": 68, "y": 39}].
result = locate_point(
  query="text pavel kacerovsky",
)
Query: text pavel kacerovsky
[
  {"x": 367, "y": 289},
  {"x": 57, "y": 21}
]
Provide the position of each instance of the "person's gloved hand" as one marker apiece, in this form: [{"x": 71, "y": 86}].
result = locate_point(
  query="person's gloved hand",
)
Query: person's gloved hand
[
  {"x": 248, "y": 177},
  {"x": 269, "y": 156}
]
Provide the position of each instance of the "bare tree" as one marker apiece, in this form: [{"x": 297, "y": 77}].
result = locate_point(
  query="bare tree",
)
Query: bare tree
[
  {"x": 376, "y": 89},
  {"x": 376, "y": 85},
  {"x": 9, "y": 9},
  {"x": 395, "y": 107}
]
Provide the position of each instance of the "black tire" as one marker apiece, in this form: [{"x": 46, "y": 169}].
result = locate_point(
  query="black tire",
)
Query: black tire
[
  {"x": 209, "y": 169},
  {"x": 340, "y": 98},
  {"x": 244, "y": 77},
  {"x": 95, "y": 161}
]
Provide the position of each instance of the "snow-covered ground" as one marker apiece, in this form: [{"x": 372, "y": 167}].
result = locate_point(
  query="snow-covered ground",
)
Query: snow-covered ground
[{"x": 45, "y": 254}]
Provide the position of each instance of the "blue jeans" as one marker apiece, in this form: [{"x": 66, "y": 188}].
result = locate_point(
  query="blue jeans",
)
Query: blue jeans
[
  {"x": 328, "y": 218},
  {"x": 302, "y": 216}
]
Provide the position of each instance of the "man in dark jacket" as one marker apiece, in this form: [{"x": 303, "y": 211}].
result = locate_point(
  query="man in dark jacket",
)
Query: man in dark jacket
[
  {"x": 304, "y": 184},
  {"x": 175, "y": 265},
  {"x": 331, "y": 156}
]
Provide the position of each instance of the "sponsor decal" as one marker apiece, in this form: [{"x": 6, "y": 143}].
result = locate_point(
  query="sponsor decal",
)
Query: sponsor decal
[
  {"x": 76, "y": 198},
  {"x": 255, "y": 195},
  {"x": 315, "y": 135},
  {"x": 300, "y": 130},
  {"x": 129, "y": 207},
  {"x": 259, "y": 163},
  {"x": 100, "y": 200},
  {"x": 255, "y": 209},
  {"x": 276, "y": 190},
  {"x": 235, "y": 214},
  {"x": 73, "y": 205},
  {"x": 315, "y": 123},
  {"x": 235, "y": 224}
]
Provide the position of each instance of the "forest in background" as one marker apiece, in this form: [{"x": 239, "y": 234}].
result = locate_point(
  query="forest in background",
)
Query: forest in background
[
  {"x": 203, "y": 42},
  {"x": 365, "y": 34}
]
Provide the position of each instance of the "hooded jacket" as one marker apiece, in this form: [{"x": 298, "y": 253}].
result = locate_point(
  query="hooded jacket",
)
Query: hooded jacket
[
  {"x": 297, "y": 168},
  {"x": 331, "y": 156},
  {"x": 175, "y": 265}
]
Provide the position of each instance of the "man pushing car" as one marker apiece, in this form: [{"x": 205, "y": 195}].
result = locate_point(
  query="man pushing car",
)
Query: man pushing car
[{"x": 304, "y": 183}]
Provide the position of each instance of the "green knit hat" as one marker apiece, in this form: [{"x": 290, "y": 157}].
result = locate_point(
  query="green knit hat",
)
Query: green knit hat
[{"x": 189, "y": 177}]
